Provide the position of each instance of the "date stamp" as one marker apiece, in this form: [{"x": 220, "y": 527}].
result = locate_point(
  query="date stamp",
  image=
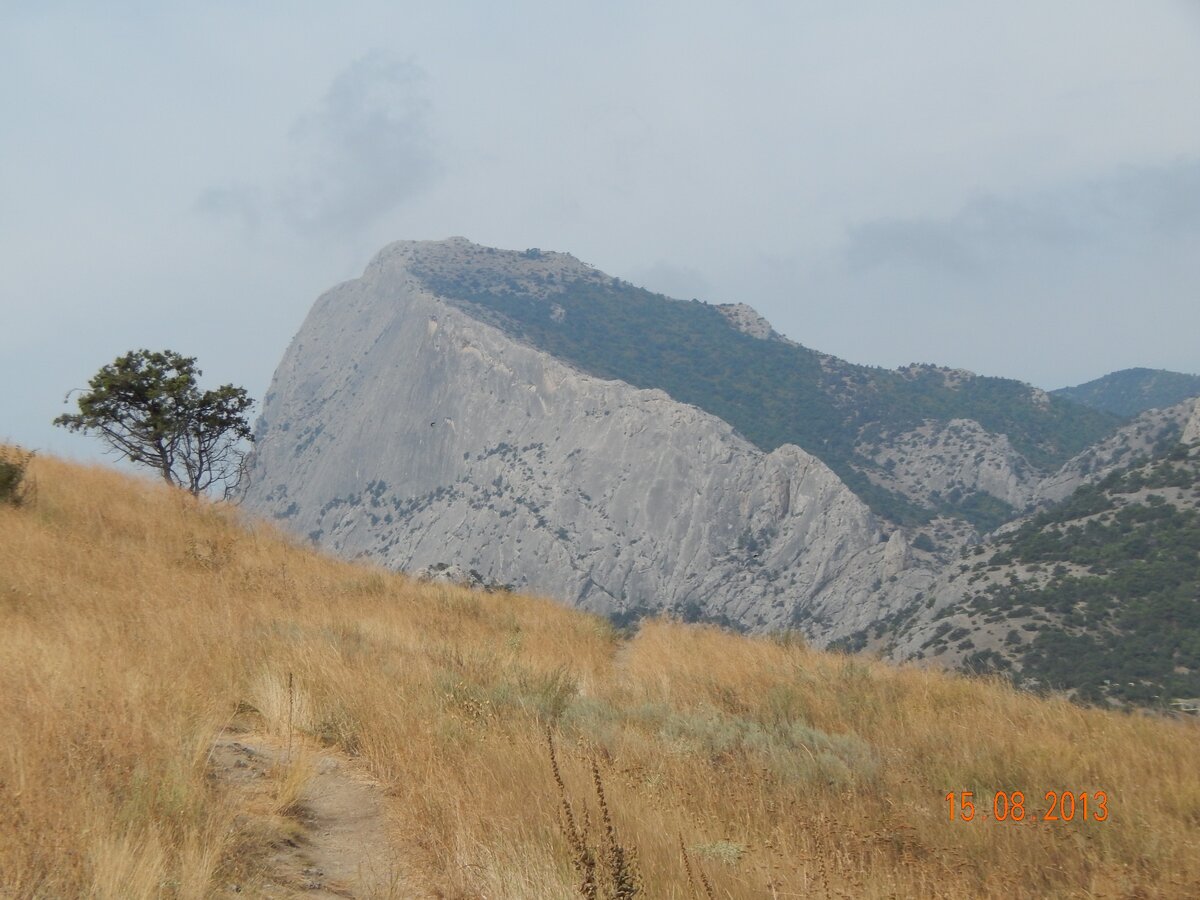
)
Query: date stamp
[{"x": 1012, "y": 806}]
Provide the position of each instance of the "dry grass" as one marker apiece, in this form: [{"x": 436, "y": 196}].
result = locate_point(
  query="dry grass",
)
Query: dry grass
[{"x": 135, "y": 624}]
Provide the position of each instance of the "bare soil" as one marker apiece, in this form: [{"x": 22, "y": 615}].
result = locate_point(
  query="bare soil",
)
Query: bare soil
[{"x": 334, "y": 841}]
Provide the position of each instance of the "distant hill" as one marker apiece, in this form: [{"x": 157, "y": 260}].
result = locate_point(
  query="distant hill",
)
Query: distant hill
[{"x": 1131, "y": 391}]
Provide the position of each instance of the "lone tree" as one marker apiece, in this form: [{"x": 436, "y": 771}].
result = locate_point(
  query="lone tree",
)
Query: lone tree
[{"x": 147, "y": 407}]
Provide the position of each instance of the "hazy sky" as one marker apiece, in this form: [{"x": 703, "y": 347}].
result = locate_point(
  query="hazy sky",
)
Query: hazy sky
[{"x": 1008, "y": 187}]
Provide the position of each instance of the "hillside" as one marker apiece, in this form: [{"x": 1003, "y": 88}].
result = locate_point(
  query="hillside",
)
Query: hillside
[
  {"x": 1098, "y": 595},
  {"x": 772, "y": 390},
  {"x": 147, "y": 640},
  {"x": 1132, "y": 391}
]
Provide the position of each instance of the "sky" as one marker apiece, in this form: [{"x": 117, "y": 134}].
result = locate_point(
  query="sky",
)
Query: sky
[{"x": 1011, "y": 188}]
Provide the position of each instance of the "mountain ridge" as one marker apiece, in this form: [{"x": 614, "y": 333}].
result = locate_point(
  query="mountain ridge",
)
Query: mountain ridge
[{"x": 1128, "y": 392}]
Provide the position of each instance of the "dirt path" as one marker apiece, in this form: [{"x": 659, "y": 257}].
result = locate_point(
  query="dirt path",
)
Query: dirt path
[{"x": 332, "y": 841}]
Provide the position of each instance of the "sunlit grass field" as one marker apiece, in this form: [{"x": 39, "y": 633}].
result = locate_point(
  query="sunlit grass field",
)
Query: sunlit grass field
[{"x": 137, "y": 625}]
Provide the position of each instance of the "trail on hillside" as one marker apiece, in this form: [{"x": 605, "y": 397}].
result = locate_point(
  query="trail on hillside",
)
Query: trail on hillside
[{"x": 332, "y": 841}]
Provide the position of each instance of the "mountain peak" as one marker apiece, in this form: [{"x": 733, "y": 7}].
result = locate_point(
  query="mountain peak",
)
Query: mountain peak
[{"x": 535, "y": 272}]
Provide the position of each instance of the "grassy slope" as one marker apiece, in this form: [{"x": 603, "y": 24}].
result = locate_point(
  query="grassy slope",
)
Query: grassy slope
[{"x": 135, "y": 624}]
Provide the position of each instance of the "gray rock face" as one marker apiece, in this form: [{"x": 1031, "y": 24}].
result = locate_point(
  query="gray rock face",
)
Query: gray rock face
[
  {"x": 1191, "y": 428},
  {"x": 1119, "y": 449},
  {"x": 443, "y": 573},
  {"x": 937, "y": 459},
  {"x": 746, "y": 319},
  {"x": 402, "y": 429}
]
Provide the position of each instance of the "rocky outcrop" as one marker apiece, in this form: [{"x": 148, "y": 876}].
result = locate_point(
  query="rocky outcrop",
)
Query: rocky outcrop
[
  {"x": 951, "y": 378},
  {"x": 444, "y": 573},
  {"x": 1191, "y": 428},
  {"x": 944, "y": 460},
  {"x": 404, "y": 429},
  {"x": 1138, "y": 438},
  {"x": 746, "y": 319}
]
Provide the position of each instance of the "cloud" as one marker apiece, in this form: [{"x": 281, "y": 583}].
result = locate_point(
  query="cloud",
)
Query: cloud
[
  {"x": 667, "y": 278},
  {"x": 367, "y": 149},
  {"x": 243, "y": 202},
  {"x": 1127, "y": 209}
]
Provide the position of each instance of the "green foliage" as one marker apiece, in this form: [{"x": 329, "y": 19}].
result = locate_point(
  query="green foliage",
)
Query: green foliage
[
  {"x": 982, "y": 510},
  {"x": 1132, "y": 391},
  {"x": 788, "y": 746},
  {"x": 1123, "y": 601},
  {"x": 13, "y": 489},
  {"x": 986, "y": 662},
  {"x": 773, "y": 392},
  {"x": 148, "y": 408}
]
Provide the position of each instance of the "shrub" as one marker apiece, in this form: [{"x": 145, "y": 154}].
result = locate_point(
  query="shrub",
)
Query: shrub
[{"x": 13, "y": 488}]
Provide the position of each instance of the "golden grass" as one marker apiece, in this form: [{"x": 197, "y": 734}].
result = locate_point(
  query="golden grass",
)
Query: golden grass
[{"x": 136, "y": 624}]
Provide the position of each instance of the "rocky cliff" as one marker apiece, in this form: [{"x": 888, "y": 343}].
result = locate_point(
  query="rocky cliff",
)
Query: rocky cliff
[
  {"x": 946, "y": 459},
  {"x": 410, "y": 430}
]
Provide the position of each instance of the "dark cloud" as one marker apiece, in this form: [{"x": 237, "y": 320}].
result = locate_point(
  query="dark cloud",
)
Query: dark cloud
[
  {"x": 366, "y": 150},
  {"x": 1123, "y": 211}
]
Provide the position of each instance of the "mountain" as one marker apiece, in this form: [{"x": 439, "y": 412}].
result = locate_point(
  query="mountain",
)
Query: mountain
[
  {"x": 1097, "y": 595},
  {"x": 525, "y": 416},
  {"x": 401, "y": 428},
  {"x": 1132, "y": 391},
  {"x": 727, "y": 361}
]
